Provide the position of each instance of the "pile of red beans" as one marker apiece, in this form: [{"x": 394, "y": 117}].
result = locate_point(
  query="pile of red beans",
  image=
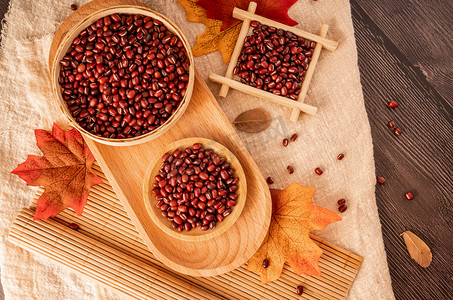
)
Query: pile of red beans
[
  {"x": 274, "y": 60},
  {"x": 124, "y": 76},
  {"x": 195, "y": 188}
]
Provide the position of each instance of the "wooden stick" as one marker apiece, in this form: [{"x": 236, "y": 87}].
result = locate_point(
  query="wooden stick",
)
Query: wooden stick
[
  {"x": 323, "y": 282},
  {"x": 238, "y": 280},
  {"x": 287, "y": 283},
  {"x": 105, "y": 232},
  {"x": 289, "y": 277},
  {"x": 310, "y": 71},
  {"x": 237, "y": 50},
  {"x": 102, "y": 270},
  {"x": 335, "y": 249},
  {"x": 225, "y": 290},
  {"x": 340, "y": 263},
  {"x": 34, "y": 247},
  {"x": 290, "y": 282},
  {"x": 87, "y": 227},
  {"x": 243, "y": 14},
  {"x": 97, "y": 253},
  {"x": 333, "y": 283},
  {"x": 263, "y": 94},
  {"x": 344, "y": 265},
  {"x": 101, "y": 229}
]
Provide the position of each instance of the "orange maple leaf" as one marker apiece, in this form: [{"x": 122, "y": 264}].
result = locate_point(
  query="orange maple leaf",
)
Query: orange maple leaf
[
  {"x": 212, "y": 39},
  {"x": 293, "y": 217},
  {"x": 64, "y": 171}
]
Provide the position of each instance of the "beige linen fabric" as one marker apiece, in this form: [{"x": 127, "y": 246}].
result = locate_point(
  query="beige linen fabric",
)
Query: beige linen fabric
[{"x": 341, "y": 126}]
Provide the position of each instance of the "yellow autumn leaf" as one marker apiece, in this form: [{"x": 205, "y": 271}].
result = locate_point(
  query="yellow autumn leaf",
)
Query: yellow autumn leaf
[
  {"x": 288, "y": 240},
  {"x": 212, "y": 39}
]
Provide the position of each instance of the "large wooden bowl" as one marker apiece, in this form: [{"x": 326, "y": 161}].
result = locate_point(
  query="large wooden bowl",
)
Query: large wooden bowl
[
  {"x": 77, "y": 22},
  {"x": 195, "y": 234}
]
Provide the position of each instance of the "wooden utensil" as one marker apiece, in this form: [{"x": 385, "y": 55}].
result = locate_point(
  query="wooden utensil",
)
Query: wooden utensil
[
  {"x": 108, "y": 249},
  {"x": 195, "y": 234},
  {"x": 82, "y": 18},
  {"x": 125, "y": 168},
  {"x": 227, "y": 81}
]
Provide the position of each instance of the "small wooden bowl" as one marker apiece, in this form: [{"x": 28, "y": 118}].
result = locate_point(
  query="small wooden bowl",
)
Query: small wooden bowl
[
  {"x": 82, "y": 18},
  {"x": 195, "y": 234}
]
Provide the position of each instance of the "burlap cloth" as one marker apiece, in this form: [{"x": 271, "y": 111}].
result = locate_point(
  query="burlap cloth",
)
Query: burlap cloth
[{"x": 340, "y": 126}]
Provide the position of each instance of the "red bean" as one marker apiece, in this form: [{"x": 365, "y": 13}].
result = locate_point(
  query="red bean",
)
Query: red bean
[
  {"x": 265, "y": 263},
  {"x": 191, "y": 195},
  {"x": 318, "y": 171},
  {"x": 397, "y": 131},
  {"x": 115, "y": 80},
  {"x": 102, "y": 117},
  {"x": 294, "y": 137},
  {"x": 341, "y": 201},
  {"x": 73, "y": 226},
  {"x": 290, "y": 169},
  {"x": 380, "y": 180},
  {"x": 392, "y": 104},
  {"x": 391, "y": 124},
  {"x": 342, "y": 208},
  {"x": 409, "y": 196},
  {"x": 231, "y": 203},
  {"x": 270, "y": 180},
  {"x": 73, "y": 7},
  {"x": 224, "y": 174},
  {"x": 299, "y": 290},
  {"x": 272, "y": 61},
  {"x": 285, "y": 142},
  {"x": 177, "y": 220},
  {"x": 219, "y": 217},
  {"x": 227, "y": 212},
  {"x": 340, "y": 156}
]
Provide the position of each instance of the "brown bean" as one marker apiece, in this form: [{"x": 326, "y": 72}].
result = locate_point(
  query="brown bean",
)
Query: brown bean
[
  {"x": 107, "y": 80},
  {"x": 187, "y": 191}
]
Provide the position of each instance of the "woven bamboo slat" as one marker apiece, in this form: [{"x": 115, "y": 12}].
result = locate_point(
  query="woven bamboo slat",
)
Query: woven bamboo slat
[{"x": 107, "y": 248}]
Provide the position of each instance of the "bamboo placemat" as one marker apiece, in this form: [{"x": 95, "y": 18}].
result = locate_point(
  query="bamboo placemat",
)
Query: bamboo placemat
[{"x": 107, "y": 248}]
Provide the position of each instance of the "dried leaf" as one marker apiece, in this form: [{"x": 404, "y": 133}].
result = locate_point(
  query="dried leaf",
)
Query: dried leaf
[
  {"x": 212, "y": 39},
  {"x": 223, "y": 38},
  {"x": 288, "y": 240},
  {"x": 418, "y": 250},
  {"x": 64, "y": 171},
  {"x": 254, "y": 120}
]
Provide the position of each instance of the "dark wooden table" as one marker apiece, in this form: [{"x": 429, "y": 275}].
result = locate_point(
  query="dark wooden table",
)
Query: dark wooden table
[{"x": 405, "y": 54}]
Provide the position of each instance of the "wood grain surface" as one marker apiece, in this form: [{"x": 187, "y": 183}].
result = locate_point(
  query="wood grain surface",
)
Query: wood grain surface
[
  {"x": 420, "y": 160},
  {"x": 125, "y": 167},
  {"x": 196, "y": 234},
  {"x": 108, "y": 249},
  {"x": 405, "y": 55},
  {"x": 125, "y": 170}
]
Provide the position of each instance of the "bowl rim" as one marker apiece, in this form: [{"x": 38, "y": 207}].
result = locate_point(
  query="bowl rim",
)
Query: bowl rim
[
  {"x": 66, "y": 42},
  {"x": 195, "y": 234}
]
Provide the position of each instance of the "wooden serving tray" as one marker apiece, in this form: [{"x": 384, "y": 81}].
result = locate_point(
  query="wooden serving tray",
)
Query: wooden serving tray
[
  {"x": 125, "y": 169},
  {"x": 109, "y": 250}
]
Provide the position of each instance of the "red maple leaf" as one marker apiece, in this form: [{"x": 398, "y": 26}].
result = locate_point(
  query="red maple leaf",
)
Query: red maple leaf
[
  {"x": 64, "y": 171},
  {"x": 222, "y": 10}
]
